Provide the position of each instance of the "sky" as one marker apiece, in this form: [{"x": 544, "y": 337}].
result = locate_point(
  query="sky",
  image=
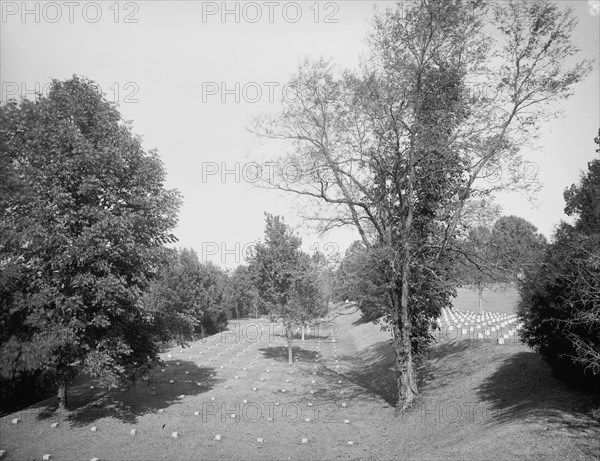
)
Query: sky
[{"x": 191, "y": 74}]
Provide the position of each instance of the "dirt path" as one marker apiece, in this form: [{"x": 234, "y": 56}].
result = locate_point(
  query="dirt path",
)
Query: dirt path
[{"x": 478, "y": 400}]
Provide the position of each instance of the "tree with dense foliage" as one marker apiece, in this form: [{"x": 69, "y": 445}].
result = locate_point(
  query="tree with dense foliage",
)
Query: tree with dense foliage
[
  {"x": 359, "y": 279},
  {"x": 517, "y": 245},
  {"x": 400, "y": 147},
  {"x": 492, "y": 256},
  {"x": 187, "y": 296},
  {"x": 560, "y": 301},
  {"x": 84, "y": 217},
  {"x": 324, "y": 266},
  {"x": 241, "y": 296},
  {"x": 285, "y": 279}
]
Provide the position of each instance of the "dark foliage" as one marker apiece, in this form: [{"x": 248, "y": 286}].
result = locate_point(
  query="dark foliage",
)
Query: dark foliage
[{"x": 560, "y": 305}]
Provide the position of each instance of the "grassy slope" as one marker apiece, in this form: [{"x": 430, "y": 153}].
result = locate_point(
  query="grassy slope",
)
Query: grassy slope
[
  {"x": 499, "y": 298},
  {"x": 478, "y": 401}
]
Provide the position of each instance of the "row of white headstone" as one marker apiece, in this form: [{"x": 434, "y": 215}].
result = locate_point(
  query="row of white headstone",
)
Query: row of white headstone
[{"x": 467, "y": 323}]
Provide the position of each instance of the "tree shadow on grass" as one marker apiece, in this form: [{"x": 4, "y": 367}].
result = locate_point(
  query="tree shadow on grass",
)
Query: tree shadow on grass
[
  {"x": 361, "y": 321},
  {"x": 447, "y": 362},
  {"x": 525, "y": 388},
  {"x": 280, "y": 354},
  {"x": 372, "y": 369},
  {"x": 87, "y": 404},
  {"x": 524, "y": 385},
  {"x": 323, "y": 332}
]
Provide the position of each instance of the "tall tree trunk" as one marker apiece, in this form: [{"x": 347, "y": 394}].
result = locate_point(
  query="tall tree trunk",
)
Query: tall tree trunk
[
  {"x": 406, "y": 375},
  {"x": 62, "y": 394},
  {"x": 302, "y": 332},
  {"x": 290, "y": 346},
  {"x": 480, "y": 296},
  {"x": 407, "y": 379}
]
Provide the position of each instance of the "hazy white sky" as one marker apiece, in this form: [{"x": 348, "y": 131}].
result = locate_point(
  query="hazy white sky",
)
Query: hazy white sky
[{"x": 177, "y": 68}]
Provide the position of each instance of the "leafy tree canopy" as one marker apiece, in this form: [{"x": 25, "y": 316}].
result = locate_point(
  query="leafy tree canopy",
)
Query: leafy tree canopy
[{"x": 83, "y": 220}]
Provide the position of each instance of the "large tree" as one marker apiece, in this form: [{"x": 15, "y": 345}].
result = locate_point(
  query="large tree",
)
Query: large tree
[
  {"x": 399, "y": 148},
  {"x": 84, "y": 218},
  {"x": 560, "y": 299}
]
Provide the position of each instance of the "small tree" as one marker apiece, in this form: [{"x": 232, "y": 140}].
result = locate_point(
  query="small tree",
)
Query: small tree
[
  {"x": 477, "y": 265},
  {"x": 287, "y": 288},
  {"x": 308, "y": 296},
  {"x": 82, "y": 227}
]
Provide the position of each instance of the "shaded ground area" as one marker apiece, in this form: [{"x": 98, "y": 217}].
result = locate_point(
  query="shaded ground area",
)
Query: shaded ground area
[{"x": 523, "y": 385}]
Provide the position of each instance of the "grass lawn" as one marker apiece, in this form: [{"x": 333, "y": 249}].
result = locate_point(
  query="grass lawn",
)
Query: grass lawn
[
  {"x": 500, "y": 298},
  {"x": 478, "y": 400}
]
